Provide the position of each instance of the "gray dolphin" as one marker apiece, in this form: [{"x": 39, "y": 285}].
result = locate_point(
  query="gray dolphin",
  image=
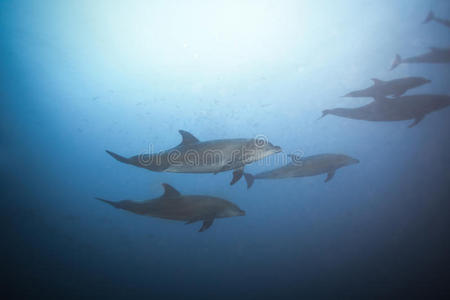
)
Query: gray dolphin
[
  {"x": 396, "y": 87},
  {"x": 174, "y": 206},
  {"x": 436, "y": 55},
  {"x": 414, "y": 107},
  {"x": 431, "y": 17},
  {"x": 307, "y": 166},
  {"x": 193, "y": 156}
]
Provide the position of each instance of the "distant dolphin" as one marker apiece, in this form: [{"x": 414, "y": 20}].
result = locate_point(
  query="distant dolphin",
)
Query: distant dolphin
[
  {"x": 396, "y": 87},
  {"x": 414, "y": 107},
  {"x": 193, "y": 156},
  {"x": 303, "y": 167},
  {"x": 436, "y": 55},
  {"x": 432, "y": 17},
  {"x": 174, "y": 206}
]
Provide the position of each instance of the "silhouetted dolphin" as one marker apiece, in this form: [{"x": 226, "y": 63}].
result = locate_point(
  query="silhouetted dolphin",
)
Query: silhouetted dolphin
[
  {"x": 193, "y": 156},
  {"x": 303, "y": 167},
  {"x": 436, "y": 55},
  {"x": 432, "y": 17},
  {"x": 396, "y": 87},
  {"x": 174, "y": 206},
  {"x": 403, "y": 108}
]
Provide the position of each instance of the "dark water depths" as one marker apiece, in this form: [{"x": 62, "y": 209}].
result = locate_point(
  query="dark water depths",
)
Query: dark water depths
[{"x": 78, "y": 77}]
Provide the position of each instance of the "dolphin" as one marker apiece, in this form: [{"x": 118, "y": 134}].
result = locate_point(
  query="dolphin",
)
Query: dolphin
[
  {"x": 436, "y": 55},
  {"x": 194, "y": 156},
  {"x": 414, "y": 107},
  {"x": 396, "y": 87},
  {"x": 174, "y": 206},
  {"x": 431, "y": 17},
  {"x": 303, "y": 167}
]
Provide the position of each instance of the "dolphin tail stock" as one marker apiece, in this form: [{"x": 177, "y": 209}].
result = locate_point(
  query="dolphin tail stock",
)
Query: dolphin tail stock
[
  {"x": 118, "y": 157},
  {"x": 107, "y": 201},
  {"x": 324, "y": 113},
  {"x": 250, "y": 179},
  {"x": 397, "y": 61},
  {"x": 429, "y": 17}
]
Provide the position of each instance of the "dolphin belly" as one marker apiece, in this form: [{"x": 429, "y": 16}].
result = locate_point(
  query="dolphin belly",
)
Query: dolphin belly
[{"x": 188, "y": 168}]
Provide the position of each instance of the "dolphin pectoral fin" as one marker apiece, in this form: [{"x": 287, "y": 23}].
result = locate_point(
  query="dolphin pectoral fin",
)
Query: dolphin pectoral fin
[
  {"x": 330, "y": 176},
  {"x": 416, "y": 121},
  {"x": 399, "y": 93},
  {"x": 250, "y": 179},
  {"x": 206, "y": 224},
  {"x": 237, "y": 174}
]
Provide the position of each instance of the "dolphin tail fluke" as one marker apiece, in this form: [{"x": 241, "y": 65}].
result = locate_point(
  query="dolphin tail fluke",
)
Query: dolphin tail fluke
[
  {"x": 324, "y": 113},
  {"x": 250, "y": 179},
  {"x": 397, "y": 61},
  {"x": 118, "y": 157},
  {"x": 429, "y": 17},
  {"x": 107, "y": 201}
]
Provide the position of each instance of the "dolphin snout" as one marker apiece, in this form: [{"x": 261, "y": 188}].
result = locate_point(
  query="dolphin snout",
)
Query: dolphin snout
[
  {"x": 242, "y": 212},
  {"x": 355, "y": 161}
]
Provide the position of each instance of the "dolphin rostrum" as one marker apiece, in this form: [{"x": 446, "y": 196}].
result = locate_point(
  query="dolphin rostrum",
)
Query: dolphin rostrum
[
  {"x": 307, "y": 166},
  {"x": 194, "y": 156},
  {"x": 174, "y": 206},
  {"x": 414, "y": 107},
  {"x": 432, "y": 17},
  {"x": 436, "y": 55},
  {"x": 396, "y": 87}
]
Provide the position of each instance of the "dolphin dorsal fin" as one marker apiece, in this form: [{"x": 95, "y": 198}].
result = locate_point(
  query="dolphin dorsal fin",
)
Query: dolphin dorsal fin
[
  {"x": 170, "y": 191},
  {"x": 188, "y": 138},
  {"x": 377, "y": 81}
]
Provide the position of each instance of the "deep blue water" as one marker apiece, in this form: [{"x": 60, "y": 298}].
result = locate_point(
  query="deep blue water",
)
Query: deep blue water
[{"x": 79, "y": 77}]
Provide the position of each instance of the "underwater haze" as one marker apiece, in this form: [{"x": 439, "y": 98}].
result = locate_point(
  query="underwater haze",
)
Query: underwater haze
[{"x": 81, "y": 77}]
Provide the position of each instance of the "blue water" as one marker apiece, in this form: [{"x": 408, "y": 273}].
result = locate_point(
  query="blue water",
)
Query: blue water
[{"x": 79, "y": 77}]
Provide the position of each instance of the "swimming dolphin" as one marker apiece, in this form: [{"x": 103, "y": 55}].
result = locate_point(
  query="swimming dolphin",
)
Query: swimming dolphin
[
  {"x": 193, "y": 156},
  {"x": 396, "y": 87},
  {"x": 174, "y": 206},
  {"x": 436, "y": 55},
  {"x": 303, "y": 167},
  {"x": 432, "y": 17},
  {"x": 414, "y": 107}
]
